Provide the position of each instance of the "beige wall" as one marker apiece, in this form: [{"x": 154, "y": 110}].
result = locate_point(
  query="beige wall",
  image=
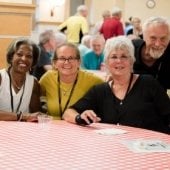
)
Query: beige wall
[
  {"x": 45, "y": 7},
  {"x": 96, "y": 8},
  {"x": 44, "y": 19},
  {"x": 139, "y": 8},
  {"x": 16, "y": 1},
  {"x": 130, "y": 8},
  {"x": 16, "y": 21}
]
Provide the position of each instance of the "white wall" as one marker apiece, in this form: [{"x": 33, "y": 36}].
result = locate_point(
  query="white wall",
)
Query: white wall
[
  {"x": 130, "y": 8},
  {"x": 139, "y": 8},
  {"x": 44, "y": 8}
]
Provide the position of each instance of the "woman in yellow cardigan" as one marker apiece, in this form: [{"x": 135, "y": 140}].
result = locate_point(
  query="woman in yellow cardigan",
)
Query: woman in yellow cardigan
[{"x": 66, "y": 84}]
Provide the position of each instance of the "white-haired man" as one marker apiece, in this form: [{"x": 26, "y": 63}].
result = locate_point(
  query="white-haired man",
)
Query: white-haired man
[
  {"x": 153, "y": 53},
  {"x": 76, "y": 25},
  {"x": 48, "y": 41}
]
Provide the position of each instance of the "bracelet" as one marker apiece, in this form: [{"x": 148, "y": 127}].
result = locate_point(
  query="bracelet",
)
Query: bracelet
[{"x": 79, "y": 120}]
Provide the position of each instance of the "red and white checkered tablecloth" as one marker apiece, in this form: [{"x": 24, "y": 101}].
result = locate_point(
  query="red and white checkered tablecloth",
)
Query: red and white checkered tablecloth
[{"x": 65, "y": 146}]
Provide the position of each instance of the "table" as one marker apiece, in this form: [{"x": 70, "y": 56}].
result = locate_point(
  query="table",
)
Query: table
[{"x": 65, "y": 146}]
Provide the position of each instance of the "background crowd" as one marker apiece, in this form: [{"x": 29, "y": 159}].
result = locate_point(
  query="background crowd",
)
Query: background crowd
[{"x": 52, "y": 76}]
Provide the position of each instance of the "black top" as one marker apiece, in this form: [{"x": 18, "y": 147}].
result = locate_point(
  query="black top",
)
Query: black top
[
  {"x": 130, "y": 31},
  {"x": 145, "y": 106},
  {"x": 44, "y": 59},
  {"x": 160, "y": 69}
]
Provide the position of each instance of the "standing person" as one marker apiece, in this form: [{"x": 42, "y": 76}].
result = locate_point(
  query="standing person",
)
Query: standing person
[
  {"x": 76, "y": 25},
  {"x": 128, "y": 25},
  {"x": 64, "y": 85},
  {"x": 84, "y": 47},
  {"x": 113, "y": 27},
  {"x": 20, "y": 91},
  {"x": 47, "y": 44},
  {"x": 128, "y": 99},
  {"x": 136, "y": 30},
  {"x": 152, "y": 53},
  {"x": 106, "y": 14},
  {"x": 93, "y": 59}
]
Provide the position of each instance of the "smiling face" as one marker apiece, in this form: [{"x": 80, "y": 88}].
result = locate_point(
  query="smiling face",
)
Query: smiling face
[
  {"x": 67, "y": 61},
  {"x": 97, "y": 43},
  {"x": 22, "y": 59},
  {"x": 156, "y": 37},
  {"x": 119, "y": 62}
]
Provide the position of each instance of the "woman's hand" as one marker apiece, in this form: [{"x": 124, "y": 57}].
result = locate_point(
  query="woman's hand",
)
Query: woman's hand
[
  {"x": 33, "y": 117},
  {"x": 90, "y": 117}
]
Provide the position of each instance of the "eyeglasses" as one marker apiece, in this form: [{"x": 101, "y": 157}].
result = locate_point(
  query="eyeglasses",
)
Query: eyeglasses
[
  {"x": 122, "y": 58},
  {"x": 70, "y": 59}
]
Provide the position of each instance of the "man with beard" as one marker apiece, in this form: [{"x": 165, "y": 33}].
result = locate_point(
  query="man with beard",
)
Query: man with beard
[{"x": 153, "y": 52}]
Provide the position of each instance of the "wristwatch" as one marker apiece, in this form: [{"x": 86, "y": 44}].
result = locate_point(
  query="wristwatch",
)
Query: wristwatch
[{"x": 79, "y": 120}]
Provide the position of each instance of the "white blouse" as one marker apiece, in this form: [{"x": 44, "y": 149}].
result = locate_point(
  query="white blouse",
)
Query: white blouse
[{"x": 5, "y": 96}]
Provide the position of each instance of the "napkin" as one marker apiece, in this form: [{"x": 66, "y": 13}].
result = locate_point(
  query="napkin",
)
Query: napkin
[
  {"x": 152, "y": 145},
  {"x": 110, "y": 131}
]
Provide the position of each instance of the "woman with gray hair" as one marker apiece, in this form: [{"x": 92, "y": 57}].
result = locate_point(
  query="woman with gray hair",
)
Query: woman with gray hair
[{"x": 128, "y": 99}]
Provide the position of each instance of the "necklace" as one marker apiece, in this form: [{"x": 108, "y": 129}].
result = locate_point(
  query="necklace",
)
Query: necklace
[
  {"x": 15, "y": 85},
  {"x": 60, "y": 96},
  {"x": 65, "y": 91},
  {"x": 128, "y": 88},
  {"x": 12, "y": 99}
]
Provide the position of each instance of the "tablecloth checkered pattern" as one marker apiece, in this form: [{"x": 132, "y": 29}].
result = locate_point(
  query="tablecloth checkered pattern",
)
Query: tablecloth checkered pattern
[{"x": 65, "y": 146}]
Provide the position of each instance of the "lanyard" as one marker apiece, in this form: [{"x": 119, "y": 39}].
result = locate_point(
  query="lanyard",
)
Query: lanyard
[
  {"x": 59, "y": 95},
  {"x": 12, "y": 99}
]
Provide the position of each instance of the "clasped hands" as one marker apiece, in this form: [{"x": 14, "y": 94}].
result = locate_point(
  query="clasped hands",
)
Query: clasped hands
[{"x": 31, "y": 117}]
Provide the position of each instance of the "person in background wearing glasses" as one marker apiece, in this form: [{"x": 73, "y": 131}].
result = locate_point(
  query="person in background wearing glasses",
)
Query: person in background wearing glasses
[
  {"x": 48, "y": 41},
  {"x": 128, "y": 99},
  {"x": 152, "y": 53},
  {"x": 66, "y": 83},
  {"x": 93, "y": 59},
  {"x": 20, "y": 91}
]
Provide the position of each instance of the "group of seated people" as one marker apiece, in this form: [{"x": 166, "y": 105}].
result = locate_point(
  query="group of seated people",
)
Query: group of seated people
[{"x": 134, "y": 95}]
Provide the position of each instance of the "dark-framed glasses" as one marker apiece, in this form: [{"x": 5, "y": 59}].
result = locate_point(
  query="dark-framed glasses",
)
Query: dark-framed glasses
[{"x": 69, "y": 59}]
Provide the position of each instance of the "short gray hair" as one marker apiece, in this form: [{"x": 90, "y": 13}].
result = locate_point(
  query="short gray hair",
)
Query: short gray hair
[
  {"x": 60, "y": 38},
  {"x": 97, "y": 37},
  {"x": 116, "y": 11},
  {"x": 120, "y": 42},
  {"x": 155, "y": 20},
  {"x": 86, "y": 40},
  {"x": 81, "y": 8},
  {"x": 106, "y": 13},
  {"x": 45, "y": 36}
]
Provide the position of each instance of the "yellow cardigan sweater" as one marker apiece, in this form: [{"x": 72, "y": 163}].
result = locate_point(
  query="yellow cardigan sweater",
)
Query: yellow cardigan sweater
[{"x": 49, "y": 87}]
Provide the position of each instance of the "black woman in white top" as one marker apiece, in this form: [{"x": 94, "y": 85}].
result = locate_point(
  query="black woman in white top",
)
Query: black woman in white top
[{"x": 20, "y": 91}]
